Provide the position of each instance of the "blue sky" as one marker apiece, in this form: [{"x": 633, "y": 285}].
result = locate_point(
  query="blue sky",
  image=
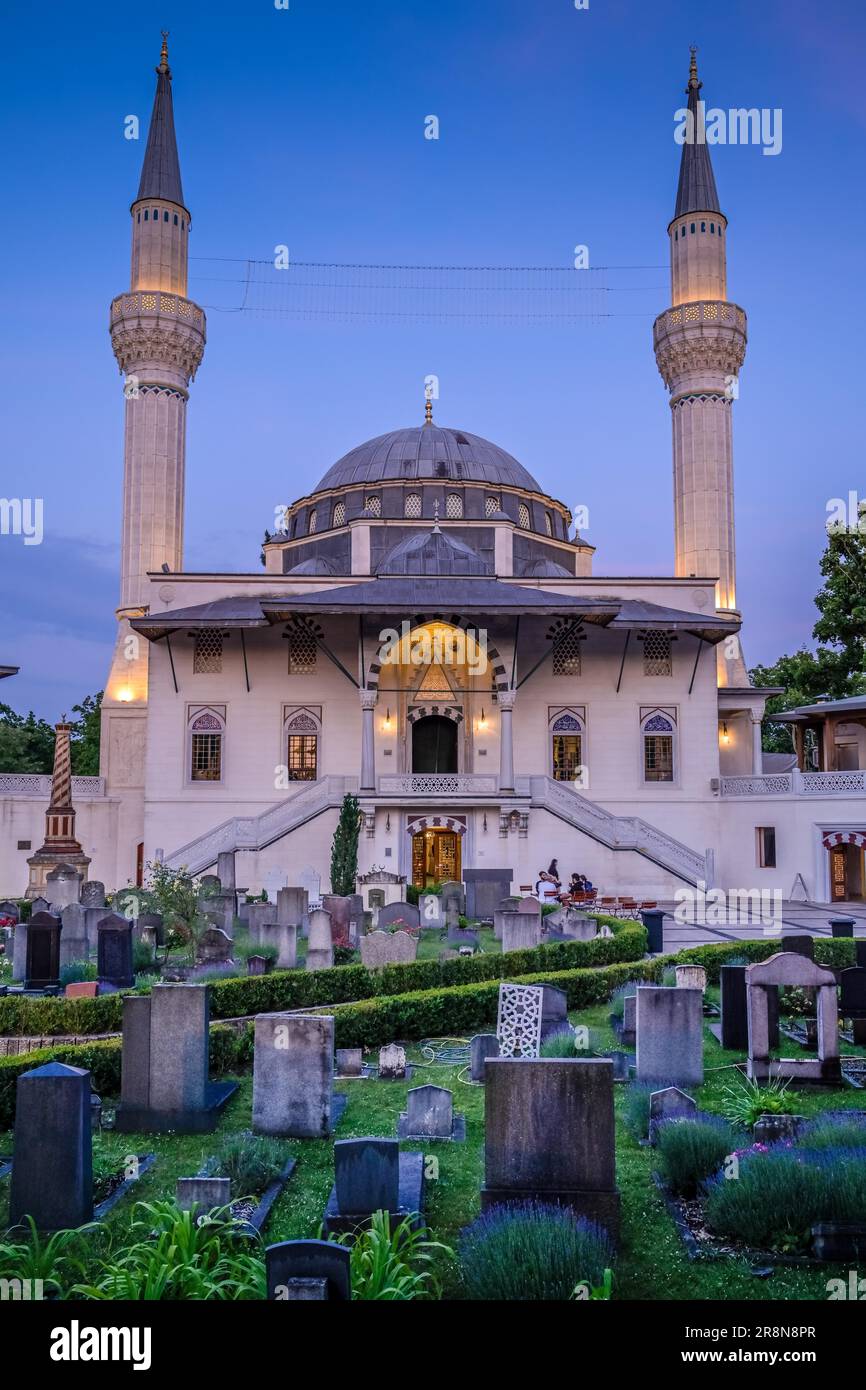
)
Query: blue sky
[{"x": 306, "y": 127}]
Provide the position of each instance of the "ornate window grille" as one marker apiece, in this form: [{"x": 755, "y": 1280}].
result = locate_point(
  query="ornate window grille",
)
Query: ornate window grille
[
  {"x": 302, "y": 652},
  {"x": 206, "y": 744},
  {"x": 567, "y": 747},
  {"x": 658, "y": 749},
  {"x": 207, "y": 657},
  {"x": 657, "y": 656},
  {"x": 491, "y": 505},
  {"x": 373, "y": 505},
  {"x": 566, "y": 656},
  {"x": 340, "y": 514},
  {"x": 313, "y": 522},
  {"x": 548, "y": 523},
  {"x": 523, "y": 518},
  {"x": 412, "y": 504},
  {"x": 454, "y": 506}
]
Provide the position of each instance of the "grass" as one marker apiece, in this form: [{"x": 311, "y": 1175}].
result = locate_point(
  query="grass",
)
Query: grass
[{"x": 652, "y": 1263}]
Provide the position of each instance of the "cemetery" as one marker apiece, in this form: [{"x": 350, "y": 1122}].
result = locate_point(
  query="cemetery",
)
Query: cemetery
[{"x": 281, "y": 1088}]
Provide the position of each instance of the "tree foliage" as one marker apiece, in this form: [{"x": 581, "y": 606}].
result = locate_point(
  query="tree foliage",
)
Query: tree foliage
[
  {"x": 344, "y": 850},
  {"x": 27, "y": 743}
]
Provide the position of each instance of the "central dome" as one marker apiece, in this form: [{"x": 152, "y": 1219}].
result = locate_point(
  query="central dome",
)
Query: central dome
[{"x": 428, "y": 452}]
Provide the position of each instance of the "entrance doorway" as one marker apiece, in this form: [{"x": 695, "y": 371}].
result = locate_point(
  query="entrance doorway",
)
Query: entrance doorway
[
  {"x": 846, "y": 874},
  {"x": 435, "y": 857},
  {"x": 434, "y": 744}
]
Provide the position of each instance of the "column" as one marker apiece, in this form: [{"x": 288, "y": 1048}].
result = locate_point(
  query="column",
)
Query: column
[
  {"x": 368, "y": 740},
  {"x": 506, "y": 700},
  {"x": 757, "y": 750}
]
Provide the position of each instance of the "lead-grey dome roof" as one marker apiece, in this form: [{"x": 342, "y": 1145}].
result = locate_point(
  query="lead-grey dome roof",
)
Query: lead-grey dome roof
[
  {"x": 432, "y": 552},
  {"x": 432, "y": 453}
]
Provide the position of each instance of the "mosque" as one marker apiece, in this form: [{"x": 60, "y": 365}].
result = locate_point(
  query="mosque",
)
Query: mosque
[{"x": 428, "y": 633}]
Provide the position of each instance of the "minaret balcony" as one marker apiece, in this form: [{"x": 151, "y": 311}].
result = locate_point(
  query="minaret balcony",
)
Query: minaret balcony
[
  {"x": 707, "y": 335},
  {"x": 157, "y": 326}
]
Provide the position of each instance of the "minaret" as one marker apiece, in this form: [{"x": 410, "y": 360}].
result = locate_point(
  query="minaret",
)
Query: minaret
[
  {"x": 60, "y": 846},
  {"x": 700, "y": 345},
  {"x": 158, "y": 337}
]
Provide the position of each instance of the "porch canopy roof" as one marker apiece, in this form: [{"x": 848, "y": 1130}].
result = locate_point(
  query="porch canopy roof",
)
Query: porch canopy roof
[
  {"x": 853, "y": 707},
  {"x": 411, "y": 596}
]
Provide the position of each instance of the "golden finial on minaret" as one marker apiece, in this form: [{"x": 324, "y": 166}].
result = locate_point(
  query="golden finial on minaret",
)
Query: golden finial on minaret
[
  {"x": 163, "y": 53},
  {"x": 693, "y": 65},
  {"x": 428, "y": 408}
]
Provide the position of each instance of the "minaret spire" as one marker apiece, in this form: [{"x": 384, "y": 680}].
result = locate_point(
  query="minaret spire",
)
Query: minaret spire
[
  {"x": 160, "y": 172},
  {"x": 700, "y": 344},
  {"x": 696, "y": 191}
]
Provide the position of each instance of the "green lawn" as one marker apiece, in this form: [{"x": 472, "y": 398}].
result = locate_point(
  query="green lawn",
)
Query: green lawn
[{"x": 652, "y": 1264}]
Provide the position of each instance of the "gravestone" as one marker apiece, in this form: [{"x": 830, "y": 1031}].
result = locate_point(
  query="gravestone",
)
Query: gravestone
[
  {"x": 226, "y": 870},
  {"x": 801, "y": 943},
  {"x": 350, "y": 1061},
  {"x": 292, "y": 907},
  {"x": 312, "y": 881},
  {"x": 209, "y": 883},
  {"x": 852, "y": 1001},
  {"x": 860, "y": 951},
  {"x": 484, "y": 888},
  {"x": 621, "y": 1066},
  {"x": 691, "y": 977},
  {"x": 93, "y": 893},
  {"x": 482, "y": 1046},
  {"x": 284, "y": 936},
  {"x": 529, "y": 1102},
  {"x": 628, "y": 1036},
  {"x": 452, "y": 891},
  {"x": 8, "y": 908},
  {"x": 204, "y": 1194},
  {"x": 273, "y": 881},
  {"x": 293, "y": 1067},
  {"x": 340, "y": 909},
  {"x": 19, "y": 952},
  {"x": 153, "y": 920},
  {"x": 462, "y": 939},
  {"x": 786, "y": 969},
  {"x": 214, "y": 947},
  {"x": 654, "y": 921},
  {"x": 429, "y": 1114},
  {"x": 42, "y": 958},
  {"x": 73, "y": 936},
  {"x": 430, "y": 911},
  {"x": 164, "y": 1082},
  {"x": 320, "y": 946},
  {"x": 518, "y": 1023},
  {"x": 258, "y": 965},
  {"x": 554, "y": 1011},
  {"x": 52, "y": 1174},
  {"x": 521, "y": 931},
  {"x": 734, "y": 1032},
  {"x": 405, "y": 915},
  {"x": 570, "y": 925},
  {"x": 39, "y": 905},
  {"x": 452, "y": 916},
  {"x": 291, "y": 1264},
  {"x": 63, "y": 886},
  {"x": 670, "y": 1035},
  {"x": 114, "y": 952},
  {"x": 381, "y": 948},
  {"x": 669, "y": 1104},
  {"x": 372, "y": 1175},
  {"x": 392, "y": 1063},
  {"x": 259, "y": 915}
]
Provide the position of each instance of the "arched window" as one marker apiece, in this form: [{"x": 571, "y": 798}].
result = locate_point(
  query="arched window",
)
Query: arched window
[
  {"x": 311, "y": 525},
  {"x": 491, "y": 505},
  {"x": 412, "y": 504},
  {"x": 567, "y": 747},
  {"x": 454, "y": 506},
  {"x": 145, "y": 214},
  {"x": 373, "y": 505},
  {"x": 523, "y": 517},
  {"x": 302, "y": 747},
  {"x": 339, "y": 514},
  {"x": 548, "y": 523},
  {"x": 206, "y": 733},
  {"x": 658, "y": 739}
]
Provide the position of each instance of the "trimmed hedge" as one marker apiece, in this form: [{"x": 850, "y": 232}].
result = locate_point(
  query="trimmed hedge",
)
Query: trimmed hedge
[
  {"x": 304, "y": 989},
  {"x": 836, "y": 953}
]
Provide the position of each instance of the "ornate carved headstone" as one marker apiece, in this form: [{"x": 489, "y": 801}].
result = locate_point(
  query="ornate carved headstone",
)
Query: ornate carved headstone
[
  {"x": 518, "y": 1024},
  {"x": 392, "y": 1063},
  {"x": 93, "y": 893}
]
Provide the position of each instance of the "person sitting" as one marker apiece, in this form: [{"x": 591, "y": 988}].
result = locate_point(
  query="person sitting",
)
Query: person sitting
[
  {"x": 546, "y": 888},
  {"x": 577, "y": 884}
]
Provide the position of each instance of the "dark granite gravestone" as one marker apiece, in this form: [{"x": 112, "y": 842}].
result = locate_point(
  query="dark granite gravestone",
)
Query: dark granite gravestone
[
  {"x": 114, "y": 952},
  {"x": 164, "y": 1064},
  {"x": 529, "y": 1102},
  {"x": 340, "y": 910},
  {"x": 852, "y": 1002},
  {"x": 842, "y": 926},
  {"x": 800, "y": 942},
  {"x": 484, "y": 888},
  {"x": 402, "y": 915},
  {"x": 42, "y": 959},
  {"x": 860, "y": 952},
  {"x": 8, "y": 908},
  {"x": 52, "y": 1177},
  {"x": 350, "y": 1061},
  {"x": 461, "y": 938},
  {"x": 653, "y": 919},
  {"x": 734, "y": 1032},
  {"x": 670, "y": 1040},
  {"x": 482, "y": 1046},
  {"x": 554, "y": 1011},
  {"x": 293, "y": 1260},
  {"x": 669, "y": 1104},
  {"x": 372, "y": 1175}
]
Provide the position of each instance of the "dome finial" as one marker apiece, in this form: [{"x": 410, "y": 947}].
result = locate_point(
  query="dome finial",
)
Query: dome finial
[
  {"x": 436, "y": 514},
  {"x": 163, "y": 53},
  {"x": 428, "y": 408}
]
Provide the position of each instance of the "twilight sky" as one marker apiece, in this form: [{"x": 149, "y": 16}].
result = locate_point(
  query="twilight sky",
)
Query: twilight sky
[{"x": 305, "y": 126}]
